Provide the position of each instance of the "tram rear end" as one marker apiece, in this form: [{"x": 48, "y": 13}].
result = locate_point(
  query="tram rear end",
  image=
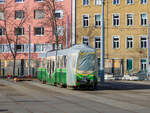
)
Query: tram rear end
[{"x": 86, "y": 72}]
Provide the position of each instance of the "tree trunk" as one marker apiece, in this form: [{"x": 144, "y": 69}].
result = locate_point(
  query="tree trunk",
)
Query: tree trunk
[{"x": 14, "y": 66}]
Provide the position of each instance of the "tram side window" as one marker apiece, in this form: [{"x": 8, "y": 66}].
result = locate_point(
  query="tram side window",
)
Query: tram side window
[
  {"x": 64, "y": 61},
  {"x": 47, "y": 64},
  {"x": 53, "y": 66},
  {"x": 50, "y": 67},
  {"x": 57, "y": 62}
]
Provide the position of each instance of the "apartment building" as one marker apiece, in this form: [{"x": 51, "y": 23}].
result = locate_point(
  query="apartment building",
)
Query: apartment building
[
  {"x": 15, "y": 18},
  {"x": 126, "y": 24}
]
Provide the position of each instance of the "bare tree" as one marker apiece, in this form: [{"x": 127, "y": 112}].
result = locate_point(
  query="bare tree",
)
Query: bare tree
[
  {"x": 13, "y": 27},
  {"x": 52, "y": 22}
]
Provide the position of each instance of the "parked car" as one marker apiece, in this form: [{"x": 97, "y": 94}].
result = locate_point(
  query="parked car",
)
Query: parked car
[{"x": 142, "y": 75}]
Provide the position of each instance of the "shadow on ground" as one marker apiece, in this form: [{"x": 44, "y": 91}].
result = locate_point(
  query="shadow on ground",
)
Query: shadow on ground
[{"x": 118, "y": 85}]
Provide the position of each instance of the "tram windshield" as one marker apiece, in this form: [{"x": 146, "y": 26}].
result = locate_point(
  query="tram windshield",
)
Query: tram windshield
[{"x": 86, "y": 62}]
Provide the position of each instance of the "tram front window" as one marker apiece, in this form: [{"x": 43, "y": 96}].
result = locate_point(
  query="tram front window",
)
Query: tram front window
[{"x": 86, "y": 62}]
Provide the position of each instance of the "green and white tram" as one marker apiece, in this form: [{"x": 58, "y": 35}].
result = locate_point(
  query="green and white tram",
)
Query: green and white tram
[{"x": 75, "y": 67}]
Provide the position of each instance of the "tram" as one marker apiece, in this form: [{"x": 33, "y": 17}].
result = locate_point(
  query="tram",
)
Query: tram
[{"x": 73, "y": 67}]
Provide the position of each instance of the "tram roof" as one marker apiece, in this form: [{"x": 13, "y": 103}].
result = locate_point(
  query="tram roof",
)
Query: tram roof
[{"x": 74, "y": 49}]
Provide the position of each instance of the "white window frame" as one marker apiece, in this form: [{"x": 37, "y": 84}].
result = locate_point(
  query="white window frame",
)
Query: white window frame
[
  {"x": 144, "y": 2},
  {"x": 38, "y": 34},
  {"x": 132, "y": 19},
  {"x": 3, "y": 31},
  {"x": 127, "y": 42},
  {"x": 141, "y": 19},
  {"x": 22, "y": 31},
  {"x": 60, "y": 46},
  {"x": 22, "y": 48},
  {"x": 113, "y": 41},
  {"x": 59, "y": 0},
  {"x": 21, "y": 15},
  {"x": 97, "y": 4},
  {"x": 140, "y": 41},
  {"x": 95, "y": 20},
  {"x": 2, "y": 2},
  {"x": 2, "y": 48},
  {"x": 8, "y": 48},
  {"x": 83, "y": 20},
  {"x": 86, "y": 37},
  {"x": 60, "y": 30},
  {"x": 35, "y": 16},
  {"x": 86, "y": 4},
  {"x": 113, "y": 19},
  {"x": 2, "y": 16},
  {"x": 61, "y": 14},
  {"x": 140, "y": 64},
  {"x": 22, "y": 1},
  {"x": 42, "y": 48},
  {"x": 130, "y": 2},
  {"x": 115, "y": 4},
  {"x": 39, "y": 1},
  {"x": 95, "y": 41}
]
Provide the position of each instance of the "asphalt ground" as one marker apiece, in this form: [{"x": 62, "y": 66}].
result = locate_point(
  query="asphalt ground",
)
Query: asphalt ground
[{"x": 110, "y": 97}]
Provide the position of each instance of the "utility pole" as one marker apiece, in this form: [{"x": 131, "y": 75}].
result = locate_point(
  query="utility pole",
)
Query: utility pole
[
  {"x": 102, "y": 44},
  {"x": 29, "y": 52},
  {"x": 147, "y": 67},
  {"x": 71, "y": 26}
]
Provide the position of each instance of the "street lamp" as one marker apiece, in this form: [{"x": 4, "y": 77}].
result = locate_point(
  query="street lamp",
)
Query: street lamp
[
  {"x": 148, "y": 67},
  {"x": 102, "y": 44}
]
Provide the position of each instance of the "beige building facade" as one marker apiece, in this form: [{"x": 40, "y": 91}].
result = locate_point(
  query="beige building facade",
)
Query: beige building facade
[{"x": 126, "y": 23}]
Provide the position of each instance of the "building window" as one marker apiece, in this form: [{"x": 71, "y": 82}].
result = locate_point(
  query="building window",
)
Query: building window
[
  {"x": 143, "y": 1},
  {"x": 85, "y": 20},
  {"x": 115, "y": 2},
  {"x": 143, "y": 64},
  {"x": 97, "y": 2},
  {"x": 19, "y": 14},
  {"x": 143, "y": 19},
  {"x": 2, "y": 31},
  {"x": 85, "y": 40},
  {"x": 143, "y": 42},
  {"x": 129, "y": 64},
  {"x": 1, "y": 48},
  {"x": 19, "y": 0},
  {"x": 85, "y": 2},
  {"x": 97, "y": 20},
  {"x": 59, "y": 46},
  {"x": 129, "y": 19},
  {"x": 39, "y": 47},
  {"x": 59, "y": 31},
  {"x": 2, "y": 1},
  {"x": 38, "y": 14},
  {"x": 129, "y": 42},
  {"x": 19, "y": 31},
  {"x": 97, "y": 42},
  {"x": 58, "y": 0},
  {"x": 58, "y": 13},
  {"x": 6, "y": 48},
  {"x": 20, "y": 48},
  {"x": 1, "y": 15},
  {"x": 116, "y": 19},
  {"x": 38, "y": 31},
  {"x": 129, "y": 1},
  {"x": 38, "y": 0},
  {"x": 116, "y": 42}
]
